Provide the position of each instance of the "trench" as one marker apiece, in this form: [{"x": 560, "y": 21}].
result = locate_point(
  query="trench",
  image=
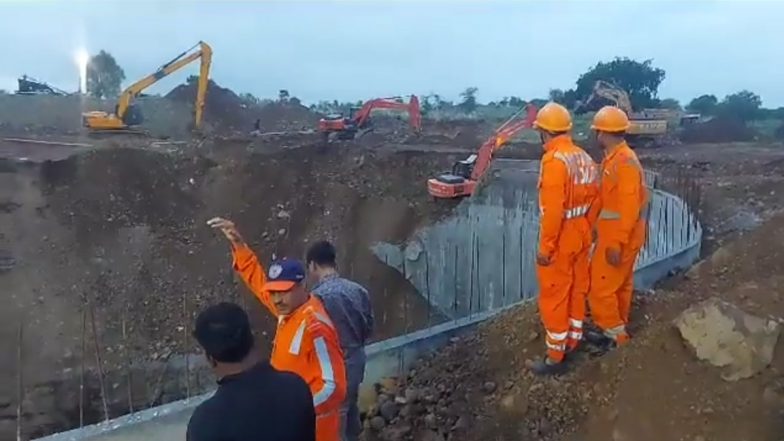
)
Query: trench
[{"x": 467, "y": 267}]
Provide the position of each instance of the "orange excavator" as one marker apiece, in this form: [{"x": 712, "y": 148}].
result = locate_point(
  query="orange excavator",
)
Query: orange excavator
[
  {"x": 358, "y": 122},
  {"x": 466, "y": 174}
]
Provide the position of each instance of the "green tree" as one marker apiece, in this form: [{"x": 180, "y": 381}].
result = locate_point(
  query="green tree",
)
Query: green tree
[
  {"x": 703, "y": 104},
  {"x": 640, "y": 80},
  {"x": 104, "y": 75},
  {"x": 743, "y": 106},
  {"x": 283, "y": 95},
  {"x": 468, "y": 104},
  {"x": 670, "y": 103},
  {"x": 556, "y": 95},
  {"x": 516, "y": 101}
]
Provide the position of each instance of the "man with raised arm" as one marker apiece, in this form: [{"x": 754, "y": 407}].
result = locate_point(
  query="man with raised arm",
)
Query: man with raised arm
[{"x": 306, "y": 342}]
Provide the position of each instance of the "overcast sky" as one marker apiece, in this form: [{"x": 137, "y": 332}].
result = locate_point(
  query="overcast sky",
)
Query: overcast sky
[{"x": 353, "y": 50}]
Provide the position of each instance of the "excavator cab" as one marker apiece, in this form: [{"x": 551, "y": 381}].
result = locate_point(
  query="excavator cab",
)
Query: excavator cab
[
  {"x": 461, "y": 169},
  {"x": 133, "y": 115}
]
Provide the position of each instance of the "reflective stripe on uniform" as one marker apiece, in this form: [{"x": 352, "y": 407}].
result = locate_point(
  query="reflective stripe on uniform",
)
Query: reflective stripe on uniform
[
  {"x": 614, "y": 215},
  {"x": 575, "y": 323},
  {"x": 327, "y": 372},
  {"x": 561, "y": 347},
  {"x": 578, "y": 211},
  {"x": 557, "y": 336},
  {"x": 576, "y": 335},
  {"x": 581, "y": 167},
  {"x": 324, "y": 319},
  {"x": 616, "y": 331},
  {"x": 296, "y": 342},
  {"x": 609, "y": 214}
]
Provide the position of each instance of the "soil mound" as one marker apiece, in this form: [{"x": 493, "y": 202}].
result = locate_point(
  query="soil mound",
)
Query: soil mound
[
  {"x": 124, "y": 228},
  {"x": 285, "y": 116},
  {"x": 718, "y": 130}
]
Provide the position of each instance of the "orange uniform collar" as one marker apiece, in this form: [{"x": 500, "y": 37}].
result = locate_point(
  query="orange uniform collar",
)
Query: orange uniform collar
[{"x": 557, "y": 142}]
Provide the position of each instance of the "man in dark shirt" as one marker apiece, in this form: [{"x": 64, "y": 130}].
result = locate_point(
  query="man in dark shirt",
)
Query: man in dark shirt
[
  {"x": 254, "y": 402},
  {"x": 348, "y": 306}
]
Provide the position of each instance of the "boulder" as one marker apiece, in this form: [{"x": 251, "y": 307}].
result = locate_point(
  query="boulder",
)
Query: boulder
[{"x": 725, "y": 336}]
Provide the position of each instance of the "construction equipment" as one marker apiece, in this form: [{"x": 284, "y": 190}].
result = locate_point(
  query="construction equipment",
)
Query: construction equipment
[
  {"x": 358, "y": 122},
  {"x": 645, "y": 128},
  {"x": 31, "y": 86},
  {"x": 466, "y": 174},
  {"x": 126, "y": 114}
]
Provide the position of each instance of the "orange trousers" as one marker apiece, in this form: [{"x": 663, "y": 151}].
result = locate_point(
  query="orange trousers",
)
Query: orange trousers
[
  {"x": 611, "y": 287},
  {"x": 328, "y": 426},
  {"x": 563, "y": 286}
]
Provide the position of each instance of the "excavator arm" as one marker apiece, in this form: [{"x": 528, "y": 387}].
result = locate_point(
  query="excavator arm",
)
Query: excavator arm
[
  {"x": 613, "y": 93},
  {"x": 502, "y": 135},
  {"x": 414, "y": 113},
  {"x": 101, "y": 120},
  {"x": 466, "y": 174}
]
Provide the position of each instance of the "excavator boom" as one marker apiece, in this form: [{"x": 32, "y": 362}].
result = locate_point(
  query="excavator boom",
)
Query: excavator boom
[
  {"x": 123, "y": 117},
  {"x": 347, "y": 127},
  {"x": 466, "y": 174}
]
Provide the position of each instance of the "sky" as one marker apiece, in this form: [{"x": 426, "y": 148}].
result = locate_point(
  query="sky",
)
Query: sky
[{"x": 356, "y": 50}]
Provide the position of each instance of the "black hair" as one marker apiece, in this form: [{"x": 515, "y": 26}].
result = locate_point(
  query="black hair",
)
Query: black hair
[
  {"x": 322, "y": 253},
  {"x": 223, "y": 330}
]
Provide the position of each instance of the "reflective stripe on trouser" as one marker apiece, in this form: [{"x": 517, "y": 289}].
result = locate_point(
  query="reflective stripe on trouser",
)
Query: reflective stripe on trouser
[
  {"x": 610, "y": 296},
  {"x": 580, "y": 210},
  {"x": 562, "y": 292},
  {"x": 328, "y": 426}
]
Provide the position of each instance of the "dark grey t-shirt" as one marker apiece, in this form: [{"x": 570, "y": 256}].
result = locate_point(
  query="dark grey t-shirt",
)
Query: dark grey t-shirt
[{"x": 348, "y": 306}]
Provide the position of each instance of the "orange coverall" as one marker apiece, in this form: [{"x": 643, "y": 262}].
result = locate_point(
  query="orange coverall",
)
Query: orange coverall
[
  {"x": 620, "y": 219},
  {"x": 568, "y": 185},
  {"x": 306, "y": 343}
]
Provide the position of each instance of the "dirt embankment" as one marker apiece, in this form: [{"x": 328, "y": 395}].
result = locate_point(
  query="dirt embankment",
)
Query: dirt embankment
[
  {"x": 479, "y": 387},
  {"x": 654, "y": 389},
  {"x": 124, "y": 229},
  {"x": 227, "y": 112}
]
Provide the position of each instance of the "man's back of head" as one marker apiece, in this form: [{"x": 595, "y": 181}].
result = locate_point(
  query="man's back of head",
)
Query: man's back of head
[
  {"x": 321, "y": 254},
  {"x": 252, "y": 398},
  {"x": 223, "y": 330}
]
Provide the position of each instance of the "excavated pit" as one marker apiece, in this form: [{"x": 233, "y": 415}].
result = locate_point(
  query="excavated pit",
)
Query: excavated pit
[{"x": 119, "y": 234}]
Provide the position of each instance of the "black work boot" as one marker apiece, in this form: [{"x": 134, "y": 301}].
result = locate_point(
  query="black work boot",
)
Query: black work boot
[
  {"x": 546, "y": 367},
  {"x": 596, "y": 338}
]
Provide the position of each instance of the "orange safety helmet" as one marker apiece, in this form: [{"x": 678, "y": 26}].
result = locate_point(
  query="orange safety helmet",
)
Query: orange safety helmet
[
  {"x": 610, "y": 119},
  {"x": 554, "y": 118}
]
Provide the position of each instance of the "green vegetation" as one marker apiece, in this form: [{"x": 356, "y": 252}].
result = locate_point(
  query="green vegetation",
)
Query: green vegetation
[{"x": 104, "y": 76}]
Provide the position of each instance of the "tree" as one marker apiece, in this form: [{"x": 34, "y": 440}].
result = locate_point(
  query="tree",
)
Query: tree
[
  {"x": 640, "y": 80},
  {"x": 703, "y": 104},
  {"x": 670, "y": 103},
  {"x": 743, "y": 105},
  {"x": 283, "y": 95},
  {"x": 104, "y": 75},
  {"x": 515, "y": 101},
  {"x": 556, "y": 95},
  {"x": 468, "y": 104}
]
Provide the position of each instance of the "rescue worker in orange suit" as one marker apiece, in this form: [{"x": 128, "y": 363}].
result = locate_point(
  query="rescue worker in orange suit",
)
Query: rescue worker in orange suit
[
  {"x": 620, "y": 219},
  {"x": 568, "y": 185},
  {"x": 306, "y": 342}
]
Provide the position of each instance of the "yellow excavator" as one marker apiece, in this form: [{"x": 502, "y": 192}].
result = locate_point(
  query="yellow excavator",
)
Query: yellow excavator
[
  {"x": 126, "y": 114},
  {"x": 645, "y": 128}
]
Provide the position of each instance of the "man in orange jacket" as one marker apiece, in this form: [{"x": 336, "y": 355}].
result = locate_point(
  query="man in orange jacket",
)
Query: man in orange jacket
[
  {"x": 306, "y": 342},
  {"x": 567, "y": 188},
  {"x": 620, "y": 219}
]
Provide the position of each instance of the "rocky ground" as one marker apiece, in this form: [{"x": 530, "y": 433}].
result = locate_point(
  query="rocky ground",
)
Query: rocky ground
[
  {"x": 654, "y": 389},
  {"x": 112, "y": 228}
]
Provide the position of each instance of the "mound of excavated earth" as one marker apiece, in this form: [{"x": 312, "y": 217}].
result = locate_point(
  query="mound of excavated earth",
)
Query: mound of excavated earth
[
  {"x": 654, "y": 389},
  {"x": 118, "y": 235}
]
